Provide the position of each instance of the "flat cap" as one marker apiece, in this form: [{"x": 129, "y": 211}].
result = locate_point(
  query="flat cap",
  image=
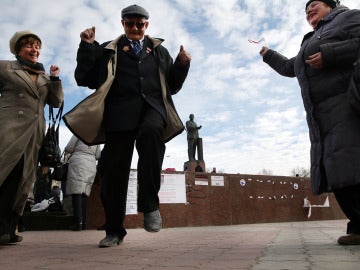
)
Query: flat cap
[
  {"x": 18, "y": 36},
  {"x": 135, "y": 11}
]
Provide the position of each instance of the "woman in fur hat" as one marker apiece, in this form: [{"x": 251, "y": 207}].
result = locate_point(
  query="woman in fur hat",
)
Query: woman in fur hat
[{"x": 25, "y": 89}]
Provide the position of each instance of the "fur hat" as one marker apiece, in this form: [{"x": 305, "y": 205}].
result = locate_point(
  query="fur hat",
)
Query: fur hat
[
  {"x": 330, "y": 3},
  {"x": 134, "y": 10},
  {"x": 18, "y": 36}
]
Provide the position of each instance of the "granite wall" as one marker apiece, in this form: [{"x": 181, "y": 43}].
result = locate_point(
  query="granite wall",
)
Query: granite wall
[{"x": 243, "y": 199}]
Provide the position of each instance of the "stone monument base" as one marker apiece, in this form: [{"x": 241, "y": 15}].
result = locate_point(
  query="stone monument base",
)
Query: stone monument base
[{"x": 189, "y": 166}]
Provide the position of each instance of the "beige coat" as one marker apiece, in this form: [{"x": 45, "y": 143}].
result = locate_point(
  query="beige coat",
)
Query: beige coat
[
  {"x": 22, "y": 122},
  {"x": 85, "y": 120}
]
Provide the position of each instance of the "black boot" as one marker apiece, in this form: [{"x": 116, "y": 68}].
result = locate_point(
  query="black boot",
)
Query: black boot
[
  {"x": 77, "y": 212},
  {"x": 84, "y": 209}
]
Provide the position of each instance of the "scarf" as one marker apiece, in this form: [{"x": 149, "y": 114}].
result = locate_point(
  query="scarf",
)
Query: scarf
[{"x": 33, "y": 68}]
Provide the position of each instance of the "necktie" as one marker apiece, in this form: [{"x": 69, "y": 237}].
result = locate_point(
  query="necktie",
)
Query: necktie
[{"x": 136, "y": 47}]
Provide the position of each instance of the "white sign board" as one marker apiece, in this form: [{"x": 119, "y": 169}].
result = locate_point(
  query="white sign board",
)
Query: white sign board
[
  {"x": 217, "y": 180},
  {"x": 201, "y": 181},
  {"x": 131, "y": 201},
  {"x": 173, "y": 189}
]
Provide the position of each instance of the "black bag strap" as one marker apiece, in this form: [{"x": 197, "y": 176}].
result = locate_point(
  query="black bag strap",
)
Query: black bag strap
[
  {"x": 54, "y": 120},
  {"x": 64, "y": 158}
]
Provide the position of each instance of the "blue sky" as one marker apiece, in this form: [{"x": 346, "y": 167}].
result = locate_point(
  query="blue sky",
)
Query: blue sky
[{"x": 252, "y": 118}]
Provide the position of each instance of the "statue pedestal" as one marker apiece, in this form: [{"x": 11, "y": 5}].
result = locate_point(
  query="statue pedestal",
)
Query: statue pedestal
[{"x": 189, "y": 166}]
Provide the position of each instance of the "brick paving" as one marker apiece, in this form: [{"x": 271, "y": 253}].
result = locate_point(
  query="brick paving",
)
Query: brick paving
[{"x": 269, "y": 246}]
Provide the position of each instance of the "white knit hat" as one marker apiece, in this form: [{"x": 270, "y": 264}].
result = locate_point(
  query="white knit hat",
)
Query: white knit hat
[{"x": 17, "y": 36}]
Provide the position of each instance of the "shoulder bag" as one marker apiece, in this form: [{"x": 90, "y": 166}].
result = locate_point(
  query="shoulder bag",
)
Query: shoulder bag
[{"x": 50, "y": 153}]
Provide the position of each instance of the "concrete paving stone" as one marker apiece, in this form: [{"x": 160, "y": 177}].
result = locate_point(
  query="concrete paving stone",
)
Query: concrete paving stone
[
  {"x": 294, "y": 246},
  {"x": 343, "y": 265},
  {"x": 283, "y": 257},
  {"x": 285, "y": 265},
  {"x": 227, "y": 264},
  {"x": 244, "y": 265},
  {"x": 334, "y": 258},
  {"x": 282, "y": 251}
]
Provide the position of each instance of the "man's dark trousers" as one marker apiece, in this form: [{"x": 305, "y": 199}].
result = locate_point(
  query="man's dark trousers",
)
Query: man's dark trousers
[
  {"x": 349, "y": 201},
  {"x": 116, "y": 163}
]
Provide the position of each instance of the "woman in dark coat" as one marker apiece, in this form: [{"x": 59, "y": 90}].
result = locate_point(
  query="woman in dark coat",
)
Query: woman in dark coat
[
  {"x": 25, "y": 89},
  {"x": 323, "y": 68}
]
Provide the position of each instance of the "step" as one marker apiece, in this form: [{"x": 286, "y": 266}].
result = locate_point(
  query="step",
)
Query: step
[{"x": 47, "y": 220}]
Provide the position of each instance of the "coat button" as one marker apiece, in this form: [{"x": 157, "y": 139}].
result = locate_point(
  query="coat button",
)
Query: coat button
[
  {"x": 20, "y": 112},
  {"x": 21, "y": 95}
]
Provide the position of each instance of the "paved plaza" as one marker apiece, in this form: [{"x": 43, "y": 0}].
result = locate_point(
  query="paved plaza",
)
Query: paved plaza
[{"x": 271, "y": 246}]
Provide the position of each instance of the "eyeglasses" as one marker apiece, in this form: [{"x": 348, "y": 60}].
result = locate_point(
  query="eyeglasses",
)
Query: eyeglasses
[{"x": 130, "y": 24}]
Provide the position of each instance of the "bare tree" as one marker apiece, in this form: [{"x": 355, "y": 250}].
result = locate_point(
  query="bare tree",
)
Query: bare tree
[
  {"x": 266, "y": 172},
  {"x": 300, "y": 172}
]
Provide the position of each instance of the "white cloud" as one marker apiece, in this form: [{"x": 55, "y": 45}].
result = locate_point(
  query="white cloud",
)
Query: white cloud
[{"x": 252, "y": 118}]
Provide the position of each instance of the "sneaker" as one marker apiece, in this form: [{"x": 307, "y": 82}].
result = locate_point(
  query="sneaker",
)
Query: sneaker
[
  {"x": 152, "y": 221},
  {"x": 43, "y": 205},
  {"x": 350, "y": 239},
  {"x": 111, "y": 240}
]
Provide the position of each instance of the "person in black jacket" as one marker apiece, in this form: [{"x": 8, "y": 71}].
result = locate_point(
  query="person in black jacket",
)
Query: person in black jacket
[
  {"x": 323, "y": 68},
  {"x": 135, "y": 77}
]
